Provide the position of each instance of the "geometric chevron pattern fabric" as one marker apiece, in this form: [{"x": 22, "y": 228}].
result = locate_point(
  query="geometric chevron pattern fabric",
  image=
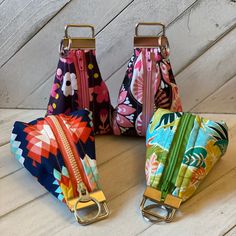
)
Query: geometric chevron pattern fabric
[
  {"x": 41, "y": 141},
  {"x": 36, "y": 147}
]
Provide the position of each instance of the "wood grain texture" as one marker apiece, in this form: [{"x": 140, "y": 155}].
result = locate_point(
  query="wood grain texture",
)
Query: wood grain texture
[
  {"x": 223, "y": 99},
  {"x": 8, "y": 164},
  {"x": 37, "y": 60},
  {"x": 126, "y": 152},
  {"x": 209, "y": 72},
  {"x": 188, "y": 42},
  {"x": 190, "y": 36},
  {"x": 122, "y": 208},
  {"x": 16, "y": 22},
  {"x": 111, "y": 170},
  {"x": 214, "y": 205},
  {"x": 116, "y": 40},
  {"x": 9, "y": 116},
  {"x": 9, "y": 9},
  {"x": 213, "y": 201},
  {"x": 231, "y": 232},
  {"x": 18, "y": 193}
]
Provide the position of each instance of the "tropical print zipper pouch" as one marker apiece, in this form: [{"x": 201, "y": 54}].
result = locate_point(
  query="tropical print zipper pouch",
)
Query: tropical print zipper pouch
[
  {"x": 78, "y": 83},
  {"x": 148, "y": 84},
  {"x": 181, "y": 150},
  {"x": 59, "y": 150}
]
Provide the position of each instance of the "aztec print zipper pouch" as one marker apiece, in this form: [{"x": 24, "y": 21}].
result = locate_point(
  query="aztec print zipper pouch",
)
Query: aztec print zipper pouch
[
  {"x": 149, "y": 84},
  {"x": 78, "y": 83},
  {"x": 59, "y": 150},
  {"x": 181, "y": 150}
]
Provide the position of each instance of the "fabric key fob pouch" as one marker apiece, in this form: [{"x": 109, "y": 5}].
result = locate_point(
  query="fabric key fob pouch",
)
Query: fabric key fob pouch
[
  {"x": 181, "y": 150},
  {"x": 78, "y": 83},
  {"x": 149, "y": 84},
  {"x": 59, "y": 150}
]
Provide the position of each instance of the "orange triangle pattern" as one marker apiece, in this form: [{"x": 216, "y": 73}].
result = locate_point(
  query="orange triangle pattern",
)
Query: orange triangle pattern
[
  {"x": 78, "y": 129},
  {"x": 41, "y": 141}
]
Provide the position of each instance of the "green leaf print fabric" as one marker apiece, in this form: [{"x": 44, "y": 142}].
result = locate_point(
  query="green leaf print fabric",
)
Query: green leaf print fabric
[{"x": 207, "y": 142}]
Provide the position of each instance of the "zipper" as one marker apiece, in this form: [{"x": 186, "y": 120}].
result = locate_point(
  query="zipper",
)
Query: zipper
[
  {"x": 70, "y": 156},
  {"x": 82, "y": 79},
  {"x": 147, "y": 90},
  {"x": 176, "y": 153}
]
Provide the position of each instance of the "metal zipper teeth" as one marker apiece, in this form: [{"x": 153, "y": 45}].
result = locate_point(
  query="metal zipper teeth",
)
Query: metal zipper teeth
[
  {"x": 174, "y": 155},
  {"x": 68, "y": 150}
]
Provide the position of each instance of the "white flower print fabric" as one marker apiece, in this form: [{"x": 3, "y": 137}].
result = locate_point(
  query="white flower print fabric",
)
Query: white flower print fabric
[{"x": 69, "y": 84}]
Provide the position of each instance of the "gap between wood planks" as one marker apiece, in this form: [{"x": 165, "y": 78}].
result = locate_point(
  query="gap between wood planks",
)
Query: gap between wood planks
[
  {"x": 194, "y": 4},
  {"x": 185, "y": 12},
  {"x": 50, "y": 76},
  {"x": 2, "y": 1},
  {"x": 146, "y": 230},
  {"x": 218, "y": 39},
  {"x": 100, "y": 31},
  {"x": 128, "y": 189},
  {"x": 72, "y": 223},
  {"x": 100, "y": 164},
  {"x": 207, "y": 48},
  {"x": 216, "y": 90},
  {"x": 208, "y": 73},
  {"x": 114, "y": 157},
  {"x": 178, "y": 17},
  {"x": 47, "y": 23},
  {"x": 35, "y": 33},
  {"x": 230, "y": 230}
]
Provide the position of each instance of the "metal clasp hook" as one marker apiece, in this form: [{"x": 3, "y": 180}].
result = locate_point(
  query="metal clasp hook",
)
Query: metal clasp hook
[
  {"x": 149, "y": 215},
  {"x": 152, "y": 41},
  {"x": 68, "y": 42},
  {"x": 87, "y": 200},
  {"x": 170, "y": 205},
  {"x": 64, "y": 50}
]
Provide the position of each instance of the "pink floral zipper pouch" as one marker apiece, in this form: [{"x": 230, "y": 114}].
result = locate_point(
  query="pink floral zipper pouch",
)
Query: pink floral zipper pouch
[
  {"x": 78, "y": 83},
  {"x": 148, "y": 84}
]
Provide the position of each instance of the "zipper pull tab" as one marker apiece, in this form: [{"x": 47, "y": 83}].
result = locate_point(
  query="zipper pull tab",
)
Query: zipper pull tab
[
  {"x": 148, "y": 60},
  {"x": 80, "y": 56},
  {"x": 83, "y": 192},
  {"x": 164, "y": 190}
]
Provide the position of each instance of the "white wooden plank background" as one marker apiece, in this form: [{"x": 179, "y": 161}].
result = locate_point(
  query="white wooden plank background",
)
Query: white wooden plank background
[
  {"x": 209, "y": 72},
  {"x": 37, "y": 59},
  {"x": 115, "y": 40},
  {"x": 225, "y": 97},
  {"x": 202, "y": 35},
  {"x": 210, "y": 212},
  {"x": 195, "y": 28},
  {"x": 16, "y": 19}
]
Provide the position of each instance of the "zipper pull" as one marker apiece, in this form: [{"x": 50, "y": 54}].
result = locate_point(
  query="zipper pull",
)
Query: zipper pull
[
  {"x": 80, "y": 56},
  {"x": 148, "y": 57},
  {"x": 83, "y": 192},
  {"x": 164, "y": 190}
]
